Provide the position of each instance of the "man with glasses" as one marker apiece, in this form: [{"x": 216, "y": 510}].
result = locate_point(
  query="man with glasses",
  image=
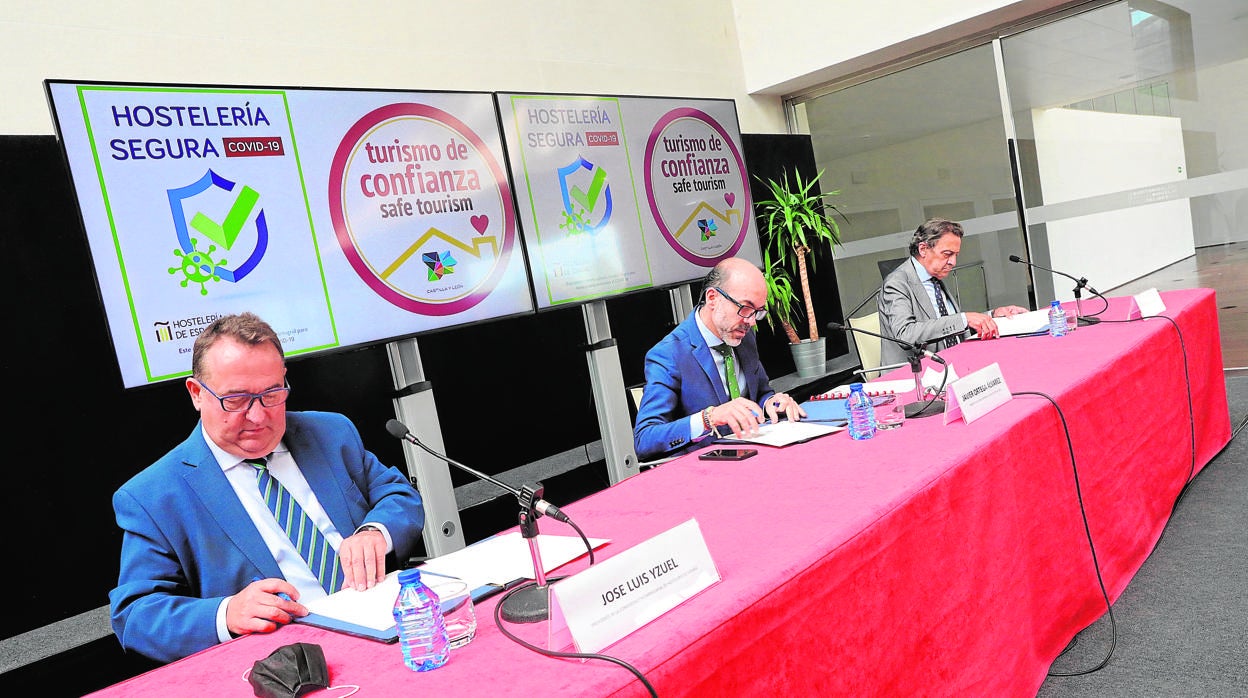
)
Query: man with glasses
[
  {"x": 705, "y": 375},
  {"x": 257, "y": 512}
]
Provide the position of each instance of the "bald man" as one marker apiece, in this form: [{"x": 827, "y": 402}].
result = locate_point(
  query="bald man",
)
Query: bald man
[{"x": 690, "y": 374}]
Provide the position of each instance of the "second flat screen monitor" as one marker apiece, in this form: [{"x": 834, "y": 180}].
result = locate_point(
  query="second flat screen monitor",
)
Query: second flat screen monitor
[{"x": 620, "y": 194}]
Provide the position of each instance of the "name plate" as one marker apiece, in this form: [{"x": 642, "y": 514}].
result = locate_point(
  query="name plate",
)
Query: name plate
[
  {"x": 977, "y": 394},
  {"x": 1146, "y": 304},
  {"x": 610, "y": 600}
]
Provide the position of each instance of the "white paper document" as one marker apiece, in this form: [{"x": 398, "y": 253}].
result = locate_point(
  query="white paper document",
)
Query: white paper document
[
  {"x": 496, "y": 561},
  {"x": 1023, "y": 323},
  {"x": 372, "y": 608},
  {"x": 784, "y": 433},
  {"x": 504, "y": 559}
]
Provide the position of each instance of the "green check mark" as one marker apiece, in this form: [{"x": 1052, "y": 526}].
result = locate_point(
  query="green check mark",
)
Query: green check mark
[
  {"x": 595, "y": 189},
  {"x": 226, "y": 233}
]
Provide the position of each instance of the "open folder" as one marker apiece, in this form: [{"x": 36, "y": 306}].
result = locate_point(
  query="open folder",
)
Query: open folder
[
  {"x": 783, "y": 433},
  {"x": 488, "y": 567}
]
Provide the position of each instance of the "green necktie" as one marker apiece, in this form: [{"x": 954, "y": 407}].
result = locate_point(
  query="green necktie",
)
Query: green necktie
[
  {"x": 730, "y": 371},
  {"x": 322, "y": 559}
]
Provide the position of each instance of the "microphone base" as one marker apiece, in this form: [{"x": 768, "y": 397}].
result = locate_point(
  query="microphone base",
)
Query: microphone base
[
  {"x": 916, "y": 410},
  {"x": 1085, "y": 321},
  {"x": 528, "y": 605}
]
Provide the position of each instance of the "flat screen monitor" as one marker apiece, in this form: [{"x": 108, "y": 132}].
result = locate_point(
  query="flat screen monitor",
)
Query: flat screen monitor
[
  {"x": 342, "y": 217},
  {"x": 620, "y": 194}
]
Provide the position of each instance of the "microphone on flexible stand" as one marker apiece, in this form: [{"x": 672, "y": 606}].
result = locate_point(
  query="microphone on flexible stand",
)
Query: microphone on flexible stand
[
  {"x": 920, "y": 407},
  {"x": 530, "y": 604},
  {"x": 1080, "y": 284}
]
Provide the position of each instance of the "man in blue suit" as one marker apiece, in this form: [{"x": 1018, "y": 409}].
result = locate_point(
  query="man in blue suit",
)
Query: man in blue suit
[
  {"x": 203, "y": 558},
  {"x": 687, "y": 395}
]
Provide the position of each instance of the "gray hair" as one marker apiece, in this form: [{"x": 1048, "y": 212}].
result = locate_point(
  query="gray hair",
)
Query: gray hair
[{"x": 931, "y": 231}]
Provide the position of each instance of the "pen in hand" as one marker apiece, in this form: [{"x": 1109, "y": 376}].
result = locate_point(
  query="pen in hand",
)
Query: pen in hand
[{"x": 281, "y": 594}]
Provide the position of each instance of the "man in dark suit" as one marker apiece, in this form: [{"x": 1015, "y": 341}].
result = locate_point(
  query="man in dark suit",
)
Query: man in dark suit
[
  {"x": 915, "y": 306},
  {"x": 688, "y": 394},
  {"x": 203, "y": 557}
]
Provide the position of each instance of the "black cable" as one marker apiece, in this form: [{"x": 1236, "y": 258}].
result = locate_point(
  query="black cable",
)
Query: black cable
[
  {"x": 1187, "y": 378},
  {"x": 498, "y": 621},
  {"x": 1103, "y": 300},
  {"x": 1087, "y": 529},
  {"x": 585, "y": 540}
]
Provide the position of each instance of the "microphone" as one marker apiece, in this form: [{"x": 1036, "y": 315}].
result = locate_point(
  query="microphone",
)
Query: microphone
[
  {"x": 524, "y": 604},
  {"x": 920, "y": 407},
  {"x": 400, "y": 431},
  {"x": 921, "y": 350},
  {"x": 1080, "y": 284}
]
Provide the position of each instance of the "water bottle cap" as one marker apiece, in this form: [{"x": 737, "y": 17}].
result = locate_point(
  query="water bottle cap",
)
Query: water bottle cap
[
  {"x": 409, "y": 576},
  {"x": 855, "y": 386},
  {"x": 1054, "y": 304}
]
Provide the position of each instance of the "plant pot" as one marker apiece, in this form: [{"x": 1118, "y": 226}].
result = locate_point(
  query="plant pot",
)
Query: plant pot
[{"x": 809, "y": 357}]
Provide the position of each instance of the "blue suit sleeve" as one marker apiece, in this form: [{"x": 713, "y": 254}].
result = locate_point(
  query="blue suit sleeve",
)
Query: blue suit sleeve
[
  {"x": 153, "y": 612},
  {"x": 660, "y": 427}
]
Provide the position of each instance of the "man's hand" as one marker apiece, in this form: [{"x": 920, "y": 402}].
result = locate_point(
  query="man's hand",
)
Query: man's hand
[
  {"x": 740, "y": 415},
  {"x": 259, "y": 608},
  {"x": 982, "y": 324},
  {"x": 1008, "y": 311},
  {"x": 363, "y": 559},
  {"x": 781, "y": 403}
]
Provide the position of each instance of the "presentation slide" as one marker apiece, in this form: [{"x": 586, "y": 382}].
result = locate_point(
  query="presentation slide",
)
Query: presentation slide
[
  {"x": 342, "y": 217},
  {"x": 617, "y": 194}
]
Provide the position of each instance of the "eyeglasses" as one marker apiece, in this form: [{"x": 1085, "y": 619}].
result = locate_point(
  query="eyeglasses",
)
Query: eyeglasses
[
  {"x": 241, "y": 402},
  {"x": 744, "y": 311}
]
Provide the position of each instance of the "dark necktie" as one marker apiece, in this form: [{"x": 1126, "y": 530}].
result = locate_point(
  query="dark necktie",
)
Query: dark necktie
[
  {"x": 943, "y": 310},
  {"x": 940, "y": 297},
  {"x": 321, "y": 557},
  {"x": 730, "y": 371}
]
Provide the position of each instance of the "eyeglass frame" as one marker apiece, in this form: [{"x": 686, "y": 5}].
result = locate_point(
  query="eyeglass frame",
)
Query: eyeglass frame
[
  {"x": 757, "y": 313},
  {"x": 284, "y": 390}
]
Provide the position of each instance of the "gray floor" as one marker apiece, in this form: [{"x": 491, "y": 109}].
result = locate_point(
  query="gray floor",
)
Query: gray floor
[{"x": 1182, "y": 623}]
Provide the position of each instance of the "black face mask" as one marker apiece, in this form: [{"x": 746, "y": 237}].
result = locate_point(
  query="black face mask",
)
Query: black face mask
[{"x": 290, "y": 671}]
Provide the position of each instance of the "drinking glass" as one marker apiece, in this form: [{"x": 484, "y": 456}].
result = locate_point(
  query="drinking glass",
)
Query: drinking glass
[
  {"x": 457, "y": 610},
  {"x": 890, "y": 416}
]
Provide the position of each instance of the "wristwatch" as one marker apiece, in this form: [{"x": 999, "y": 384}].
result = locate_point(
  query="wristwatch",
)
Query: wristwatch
[{"x": 368, "y": 527}]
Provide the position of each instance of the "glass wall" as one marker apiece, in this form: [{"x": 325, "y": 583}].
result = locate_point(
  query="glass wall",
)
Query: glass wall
[
  {"x": 1125, "y": 123},
  {"x": 925, "y": 142},
  {"x": 1132, "y": 146}
]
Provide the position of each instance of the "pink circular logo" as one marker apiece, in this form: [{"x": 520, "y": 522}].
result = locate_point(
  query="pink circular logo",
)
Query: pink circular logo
[
  {"x": 422, "y": 209},
  {"x": 696, "y": 185}
]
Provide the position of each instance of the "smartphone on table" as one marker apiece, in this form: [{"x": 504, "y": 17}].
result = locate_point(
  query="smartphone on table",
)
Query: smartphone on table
[{"x": 728, "y": 454}]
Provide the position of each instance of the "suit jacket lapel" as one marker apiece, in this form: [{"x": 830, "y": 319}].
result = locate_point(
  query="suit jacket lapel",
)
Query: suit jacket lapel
[
  {"x": 319, "y": 473},
  {"x": 919, "y": 290},
  {"x": 702, "y": 354},
  {"x": 206, "y": 479}
]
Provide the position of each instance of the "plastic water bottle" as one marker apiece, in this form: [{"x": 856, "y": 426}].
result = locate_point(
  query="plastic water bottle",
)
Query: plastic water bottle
[
  {"x": 1057, "y": 320},
  {"x": 861, "y": 413},
  {"x": 422, "y": 632}
]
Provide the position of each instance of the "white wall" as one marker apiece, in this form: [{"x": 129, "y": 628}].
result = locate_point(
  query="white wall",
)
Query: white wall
[
  {"x": 1083, "y": 154},
  {"x": 788, "y": 45},
  {"x": 685, "y": 48}
]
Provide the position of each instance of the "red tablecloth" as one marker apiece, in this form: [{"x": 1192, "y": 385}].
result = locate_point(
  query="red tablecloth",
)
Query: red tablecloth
[{"x": 941, "y": 560}]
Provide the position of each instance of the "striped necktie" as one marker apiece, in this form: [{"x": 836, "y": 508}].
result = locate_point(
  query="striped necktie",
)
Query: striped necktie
[
  {"x": 321, "y": 557},
  {"x": 730, "y": 371},
  {"x": 943, "y": 310}
]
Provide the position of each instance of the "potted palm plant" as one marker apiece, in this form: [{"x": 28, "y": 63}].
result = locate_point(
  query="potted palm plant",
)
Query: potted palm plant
[{"x": 795, "y": 222}]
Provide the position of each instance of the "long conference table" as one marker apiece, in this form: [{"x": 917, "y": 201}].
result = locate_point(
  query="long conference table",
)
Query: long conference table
[{"x": 935, "y": 559}]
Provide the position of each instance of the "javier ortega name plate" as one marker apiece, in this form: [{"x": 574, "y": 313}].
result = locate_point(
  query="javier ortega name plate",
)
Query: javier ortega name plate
[{"x": 596, "y": 608}]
